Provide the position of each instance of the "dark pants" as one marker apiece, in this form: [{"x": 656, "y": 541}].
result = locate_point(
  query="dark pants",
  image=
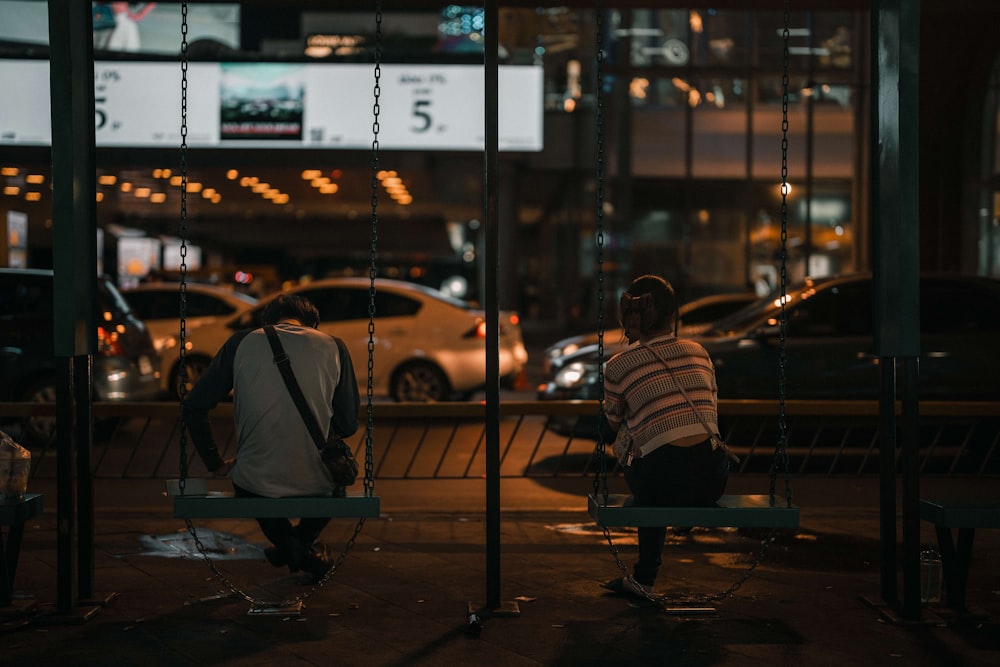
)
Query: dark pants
[
  {"x": 673, "y": 477},
  {"x": 281, "y": 532}
]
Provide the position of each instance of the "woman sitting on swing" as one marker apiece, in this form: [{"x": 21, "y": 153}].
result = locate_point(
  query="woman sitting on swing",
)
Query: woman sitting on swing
[{"x": 651, "y": 389}]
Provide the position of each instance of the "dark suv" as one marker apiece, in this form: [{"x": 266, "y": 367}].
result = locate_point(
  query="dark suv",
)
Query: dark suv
[
  {"x": 125, "y": 366},
  {"x": 830, "y": 349}
]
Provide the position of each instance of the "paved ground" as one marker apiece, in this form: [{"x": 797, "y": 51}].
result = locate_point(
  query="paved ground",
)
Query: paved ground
[{"x": 402, "y": 595}]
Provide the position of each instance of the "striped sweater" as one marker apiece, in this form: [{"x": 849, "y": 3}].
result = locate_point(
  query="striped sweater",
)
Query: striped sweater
[{"x": 639, "y": 391}]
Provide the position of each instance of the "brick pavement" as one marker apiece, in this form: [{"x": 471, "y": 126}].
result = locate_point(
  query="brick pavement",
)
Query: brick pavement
[{"x": 402, "y": 596}]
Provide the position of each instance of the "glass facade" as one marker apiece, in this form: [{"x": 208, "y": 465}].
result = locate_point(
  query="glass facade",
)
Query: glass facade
[
  {"x": 706, "y": 91},
  {"x": 692, "y": 142}
]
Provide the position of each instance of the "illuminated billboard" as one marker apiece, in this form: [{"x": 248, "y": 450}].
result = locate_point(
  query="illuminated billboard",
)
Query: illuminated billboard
[{"x": 284, "y": 105}]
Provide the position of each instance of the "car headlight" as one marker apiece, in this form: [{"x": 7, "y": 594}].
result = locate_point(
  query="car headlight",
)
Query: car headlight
[
  {"x": 576, "y": 374},
  {"x": 572, "y": 348},
  {"x": 164, "y": 343}
]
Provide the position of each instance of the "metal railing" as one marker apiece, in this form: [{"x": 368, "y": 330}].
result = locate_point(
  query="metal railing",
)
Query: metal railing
[{"x": 551, "y": 438}]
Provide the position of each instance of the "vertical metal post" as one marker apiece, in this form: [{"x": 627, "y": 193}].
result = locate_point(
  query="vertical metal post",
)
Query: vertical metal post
[
  {"x": 491, "y": 303},
  {"x": 65, "y": 499},
  {"x": 74, "y": 248},
  {"x": 887, "y": 478},
  {"x": 84, "y": 437},
  {"x": 910, "y": 431},
  {"x": 895, "y": 242}
]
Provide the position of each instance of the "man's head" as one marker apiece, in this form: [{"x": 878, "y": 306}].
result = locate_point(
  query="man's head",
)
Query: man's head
[{"x": 287, "y": 307}]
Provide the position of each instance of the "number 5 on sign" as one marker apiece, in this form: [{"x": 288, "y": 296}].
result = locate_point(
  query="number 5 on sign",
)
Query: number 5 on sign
[
  {"x": 428, "y": 107},
  {"x": 422, "y": 115},
  {"x": 443, "y": 108}
]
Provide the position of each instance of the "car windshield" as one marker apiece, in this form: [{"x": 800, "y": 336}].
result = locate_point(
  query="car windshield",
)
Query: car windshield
[
  {"x": 761, "y": 311},
  {"x": 110, "y": 299},
  {"x": 441, "y": 296},
  {"x": 245, "y": 298}
]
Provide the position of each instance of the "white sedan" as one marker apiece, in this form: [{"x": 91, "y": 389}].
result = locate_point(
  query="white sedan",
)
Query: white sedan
[
  {"x": 427, "y": 346},
  {"x": 158, "y": 306}
]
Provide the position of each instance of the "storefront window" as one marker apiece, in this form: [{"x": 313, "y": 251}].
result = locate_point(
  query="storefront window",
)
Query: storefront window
[
  {"x": 658, "y": 142},
  {"x": 719, "y": 123},
  {"x": 833, "y": 40},
  {"x": 657, "y": 37},
  {"x": 768, "y": 29},
  {"x": 718, "y": 38}
]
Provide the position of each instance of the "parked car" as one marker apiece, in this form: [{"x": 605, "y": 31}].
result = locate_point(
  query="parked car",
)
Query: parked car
[
  {"x": 158, "y": 306},
  {"x": 428, "y": 346},
  {"x": 125, "y": 365},
  {"x": 830, "y": 352},
  {"x": 694, "y": 317}
]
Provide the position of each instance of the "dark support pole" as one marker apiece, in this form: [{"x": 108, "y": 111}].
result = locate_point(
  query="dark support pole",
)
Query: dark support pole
[
  {"x": 84, "y": 430},
  {"x": 910, "y": 431},
  {"x": 74, "y": 250},
  {"x": 896, "y": 293},
  {"x": 887, "y": 479},
  {"x": 65, "y": 506},
  {"x": 491, "y": 303}
]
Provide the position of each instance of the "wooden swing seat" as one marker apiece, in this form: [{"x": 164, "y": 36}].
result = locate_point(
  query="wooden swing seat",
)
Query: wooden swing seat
[
  {"x": 199, "y": 503},
  {"x": 731, "y": 511}
]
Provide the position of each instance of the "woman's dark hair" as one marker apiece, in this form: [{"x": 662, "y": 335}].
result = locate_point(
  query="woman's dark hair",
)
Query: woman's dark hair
[
  {"x": 650, "y": 304},
  {"x": 288, "y": 307}
]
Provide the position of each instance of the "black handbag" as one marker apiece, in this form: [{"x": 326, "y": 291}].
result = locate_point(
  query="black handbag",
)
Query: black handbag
[{"x": 334, "y": 452}]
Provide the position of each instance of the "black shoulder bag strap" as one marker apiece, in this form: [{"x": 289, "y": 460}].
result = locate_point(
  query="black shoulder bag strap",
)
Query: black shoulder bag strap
[{"x": 285, "y": 366}]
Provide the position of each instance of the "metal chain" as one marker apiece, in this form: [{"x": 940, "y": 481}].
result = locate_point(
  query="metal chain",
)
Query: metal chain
[
  {"x": 601, "y": 478},
  {"x": 182, "y": 369},
  {"x": 257, "y": 603},
  {"x": 695, "y": 598},
  {"x": 781, "y": 449},
  {"x": 373, "y": 256},
  {"x": 369, "y": 483}
]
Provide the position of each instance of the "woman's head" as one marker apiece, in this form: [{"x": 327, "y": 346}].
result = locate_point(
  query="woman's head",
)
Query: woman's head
[{"x": 648, "y": 306}]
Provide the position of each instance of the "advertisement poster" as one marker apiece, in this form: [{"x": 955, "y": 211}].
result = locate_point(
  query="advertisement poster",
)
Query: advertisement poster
[
  {"x": 285, "y": 105},
  {"x": 261, "y": 101}
]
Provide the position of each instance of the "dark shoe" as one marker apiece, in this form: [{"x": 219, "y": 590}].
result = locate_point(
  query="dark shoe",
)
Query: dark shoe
[
  {"x": 316, "y": 563},
  {"x": 614, "y": 585},
  {"x": 623, "y": 586},
  {"x": 291, "y": 553},
  {"x": 279, "y": 558},
  {"x": 637, "y": 590},
  {"x": 680, "y": 532},
  {"x": 275, "y": 557}
]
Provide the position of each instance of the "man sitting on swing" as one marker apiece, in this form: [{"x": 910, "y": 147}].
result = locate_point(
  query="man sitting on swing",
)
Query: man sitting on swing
[
  {"x": 662, "y": 391},
  {"x": 276, "y": 456}
]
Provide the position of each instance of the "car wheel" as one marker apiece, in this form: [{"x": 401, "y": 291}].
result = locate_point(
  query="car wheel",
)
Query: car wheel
[
  {"x": 40, "y": 430},
  {"x": 196, "y": 366},
  {"x": 421, "y": 382}
]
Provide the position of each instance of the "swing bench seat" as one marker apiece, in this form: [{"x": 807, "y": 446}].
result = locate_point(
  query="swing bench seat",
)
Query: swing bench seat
[
  {"x": 199, "y": 503},
  {"x": 731, "y": 511}
]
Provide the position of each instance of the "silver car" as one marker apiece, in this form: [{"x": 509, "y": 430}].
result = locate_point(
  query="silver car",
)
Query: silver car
[{"x": 126, "y": 367}]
